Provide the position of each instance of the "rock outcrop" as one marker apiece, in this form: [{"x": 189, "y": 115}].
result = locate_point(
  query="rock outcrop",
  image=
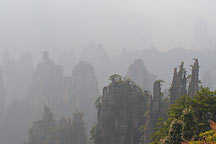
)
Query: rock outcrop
[
  {"x": 194, "y": 79},
  {"x": 48, "y": 87},
  {"x": 120, "y": 113},
  {"x": 140, "y": 75},
  {"x": 157, "y": 97},
  {"x": 179, "y": 84},
  {"x": 97, "y": 56},
  {"x": 84, "y": 91},
  {"x": 157, "y": 108}
]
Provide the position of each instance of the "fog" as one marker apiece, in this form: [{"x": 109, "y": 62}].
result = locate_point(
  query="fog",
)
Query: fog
[
  {"x": 57, "y": 56},
  {"x": 59, "y": 24}
]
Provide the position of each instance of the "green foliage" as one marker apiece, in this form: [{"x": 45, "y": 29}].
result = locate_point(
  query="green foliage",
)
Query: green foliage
[
  {"x": 160, "y": 81},
  {"x": 123, "y": 104},
  {"x": 98, "y": 102},
  {"x": 188, "y": 117},
  {"x": 175, "y": 133},
  {"x": 157, "y": 111},
  {"x": 208, "y": 137},
  {"x": 93, "y": 135}
]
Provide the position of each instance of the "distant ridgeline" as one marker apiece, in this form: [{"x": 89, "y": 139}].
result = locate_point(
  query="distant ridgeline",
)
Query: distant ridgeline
[
  {"x": 129, "y": 115},
  {"x": 140, "y": 75}
]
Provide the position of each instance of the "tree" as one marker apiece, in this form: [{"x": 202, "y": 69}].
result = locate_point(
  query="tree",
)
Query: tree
[
  {"x": 188, "y": 117},
  {"x": 208, "y": 137},
  {"x": 115, "y": 78}
]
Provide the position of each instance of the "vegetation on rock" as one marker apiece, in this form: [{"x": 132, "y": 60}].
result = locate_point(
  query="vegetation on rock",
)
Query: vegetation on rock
[{"x": 120, "y": 113}]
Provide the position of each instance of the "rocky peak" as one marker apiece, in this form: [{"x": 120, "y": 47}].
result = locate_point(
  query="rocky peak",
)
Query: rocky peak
[
  {"x": 120, "y": 113},
  {"x": 48, "y": 86},
  {"x": 140, "y": 75},
  {"x": 194, "y": 80},
  {"x": 157, "y": 96},
  {"x": 46, "y": 58},
  {"x": 178, "y": 86},
  {"x": 84, "y": 91}
]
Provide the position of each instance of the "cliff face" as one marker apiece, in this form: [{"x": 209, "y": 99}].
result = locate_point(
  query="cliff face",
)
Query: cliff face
[
  {"x": 139, "y": 74},
  {"x": 156, "y": 109},
  {"x": 97, "y": 56},
  {"x": 120, "y": 113},
  {"x": 48, "y": 87},
  {"x": 194, "y": 80},
  {"x": 157, "y": 97},
  {"x": 179, "y": 83},
  {"x": 84, "y": 91},
  {"x": 126, "y": 114}
]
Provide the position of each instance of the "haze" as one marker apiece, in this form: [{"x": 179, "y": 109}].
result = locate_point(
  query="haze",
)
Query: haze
[
  {"x": 53, "y": 25},
  {"x": 99, "y": 71}
]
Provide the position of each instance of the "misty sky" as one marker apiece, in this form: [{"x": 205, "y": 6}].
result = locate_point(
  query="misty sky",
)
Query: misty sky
[{"x": 55, "y": 25}]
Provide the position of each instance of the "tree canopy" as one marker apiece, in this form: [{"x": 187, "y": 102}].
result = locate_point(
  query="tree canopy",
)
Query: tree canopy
[{"x": 188, "y": 117}]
